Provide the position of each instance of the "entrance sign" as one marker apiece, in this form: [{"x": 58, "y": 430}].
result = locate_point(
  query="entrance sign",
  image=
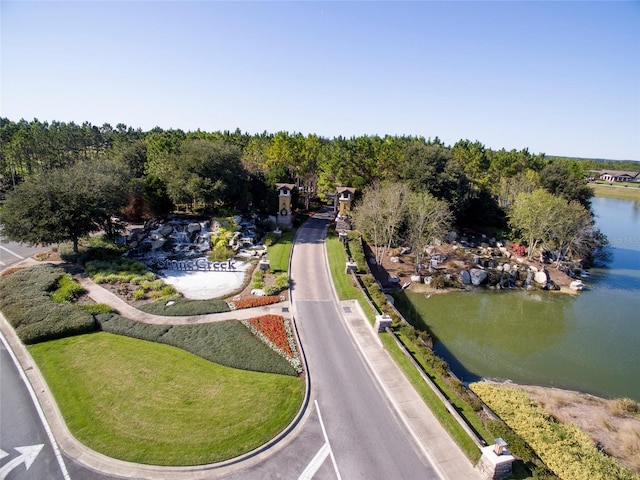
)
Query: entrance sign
[{"x": 198, "y": 265}]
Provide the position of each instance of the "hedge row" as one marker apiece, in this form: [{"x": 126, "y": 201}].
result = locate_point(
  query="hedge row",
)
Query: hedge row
[
  {"x": 26, "y": 302},
  {"x": 185, "y": 307},
  {"x": 227, "y": 343},
  {"x": 563, "y": 447}
]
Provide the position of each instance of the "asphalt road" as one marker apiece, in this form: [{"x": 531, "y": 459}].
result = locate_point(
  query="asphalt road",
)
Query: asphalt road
[
  {"x": 365, "y": 437},
  {"x": 12, "y": 252}
]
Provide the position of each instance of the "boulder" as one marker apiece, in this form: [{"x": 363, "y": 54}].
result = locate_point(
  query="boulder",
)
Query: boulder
[
  {"x": 394, "y": 259},
  {"x": 478, "y": 276},
  {"x": 166, "y": 230},
  {"x": 416, "y": 278},
  {"x": 157, "y": 244},
  {"x": 258, "y": 292},
  {"x": 465, "y": 277},
  {"x": 194, "y": 227},
  {"x": 506, "y": 267},
  {"x": 541, "y": 277},
  {"x": 576, "y": 285}
]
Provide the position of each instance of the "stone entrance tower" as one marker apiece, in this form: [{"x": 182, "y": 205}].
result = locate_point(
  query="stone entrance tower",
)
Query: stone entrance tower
[
  {"x": 284, "y": 203},
  {"x": 345, "y": 198}
]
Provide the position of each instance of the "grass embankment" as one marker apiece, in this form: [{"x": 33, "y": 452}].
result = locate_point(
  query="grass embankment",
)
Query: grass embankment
[
  {"x": 625, "y": 191},
  {"x": 155, "y": 404},
  {"x": 343, "y": 283},
  {"x": 346, "y": 290},
  {"x": 278, "y": 254}
]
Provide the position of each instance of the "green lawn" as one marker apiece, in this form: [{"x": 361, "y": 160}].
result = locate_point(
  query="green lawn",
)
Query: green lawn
[
  {"x": 343, "y": 283},
  {"x": 149, "y": 403},
  {"x": 631, "y": 191},
  {"x": 278, "y": 254}
]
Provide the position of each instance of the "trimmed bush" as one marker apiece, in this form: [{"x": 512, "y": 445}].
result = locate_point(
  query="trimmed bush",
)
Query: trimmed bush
[
  {"x": 67, "y": 291},
  {"x": 27, "y": 305},
  {"x": 97, "y": 308},
  {"x": 226, "y": 343},
  {"x": 563, "y": 447},
  {"x": 356, "y": 251},
  {"x": 185, "y": 307}
]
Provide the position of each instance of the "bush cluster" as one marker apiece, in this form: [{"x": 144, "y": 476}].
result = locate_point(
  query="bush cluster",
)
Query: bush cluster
[
  {"x": 97, "y": 247},
  {"x": 185, "y": 307},
  {"x": 563, "y": 447},
  {"x": 226, "y": 343},
  {"x": 269, "y": 239},
  {"x": 220, "y": 249},
  {"x": 122, "y": 271},
  {"x": 356, "y": 252},
  {"x": 67, "y": 289},
  {"x": 520, "y": 449},
  {"x": 254, "y": 302},
  {"x": 281, "y": 283},
  {"x": 26, "y": 302},
  {"x": 118, "y": 270}
]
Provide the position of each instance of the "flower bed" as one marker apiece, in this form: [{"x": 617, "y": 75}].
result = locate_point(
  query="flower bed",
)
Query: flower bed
[
  {"x": 275, "y": 331},
  {"x": 255, "y": 302}
]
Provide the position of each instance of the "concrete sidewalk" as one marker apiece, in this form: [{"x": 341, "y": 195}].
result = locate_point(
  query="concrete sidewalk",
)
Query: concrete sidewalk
[
  {"x": 436, "y": 444},
  {"x": 102, "y": 295}
]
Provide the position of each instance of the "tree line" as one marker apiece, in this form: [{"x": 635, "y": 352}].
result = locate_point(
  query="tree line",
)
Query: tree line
[{"x": 160, "y": 170}]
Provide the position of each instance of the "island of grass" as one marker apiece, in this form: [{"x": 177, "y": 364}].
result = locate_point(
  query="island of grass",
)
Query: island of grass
[
  {"x": 152, "y": 394},
  {"x": 155, "y": 404}
]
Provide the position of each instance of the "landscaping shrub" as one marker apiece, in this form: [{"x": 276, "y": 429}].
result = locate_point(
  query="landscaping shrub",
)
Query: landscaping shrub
[
  {"x": 185, "y": 307},
  {"x": 97, "y": 308},
  {"x": 356, "y": 251},
  {"x": 226, "y": 343},
  {"x": 27, "y": 305},
  {"x": 67, "y": 289},
  {"x": 254, "y": 302},
  {"x": 563, "y": 447},
  {"x": 269, "y": 239},
  {"x": 275, "y": 331},
  {"x": 281, "y": 283},
  {"x": 258, "y": 280},
  {"x": 521, "y": 450},
  {"x": 118, "y": 270}
]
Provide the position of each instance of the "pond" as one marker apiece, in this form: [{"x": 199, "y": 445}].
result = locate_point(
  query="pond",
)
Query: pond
[{"x": 589, "y": 342}]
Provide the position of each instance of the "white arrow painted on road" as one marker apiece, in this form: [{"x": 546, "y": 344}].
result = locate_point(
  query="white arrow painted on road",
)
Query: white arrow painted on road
[{"x": 27, "y": 455}]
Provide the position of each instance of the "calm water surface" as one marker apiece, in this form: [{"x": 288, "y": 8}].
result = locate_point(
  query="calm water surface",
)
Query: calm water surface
[{"x": 589, "y": 342}]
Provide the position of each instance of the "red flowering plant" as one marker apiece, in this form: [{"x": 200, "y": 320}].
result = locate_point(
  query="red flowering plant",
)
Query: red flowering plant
[
  {"x": 255, "y": 302},
  {"x": 275, "y": 331}
]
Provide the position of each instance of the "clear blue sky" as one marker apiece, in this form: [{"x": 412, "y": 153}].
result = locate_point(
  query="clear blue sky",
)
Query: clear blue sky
[{"x": 561, "y": 78}]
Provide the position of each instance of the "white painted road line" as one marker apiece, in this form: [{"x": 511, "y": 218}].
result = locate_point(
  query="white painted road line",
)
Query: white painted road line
[
  {"x": 12, "y": 253},
  {"x": 315, "y": 463},
  {"x": 326, "y": 440}
]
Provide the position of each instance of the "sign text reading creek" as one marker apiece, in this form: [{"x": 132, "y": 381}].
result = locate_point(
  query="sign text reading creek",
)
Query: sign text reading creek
[{"x": 201, "y": 265}]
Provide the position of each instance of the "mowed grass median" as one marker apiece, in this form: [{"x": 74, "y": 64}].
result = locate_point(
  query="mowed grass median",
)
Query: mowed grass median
[{"x": 156, "y": 404}]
